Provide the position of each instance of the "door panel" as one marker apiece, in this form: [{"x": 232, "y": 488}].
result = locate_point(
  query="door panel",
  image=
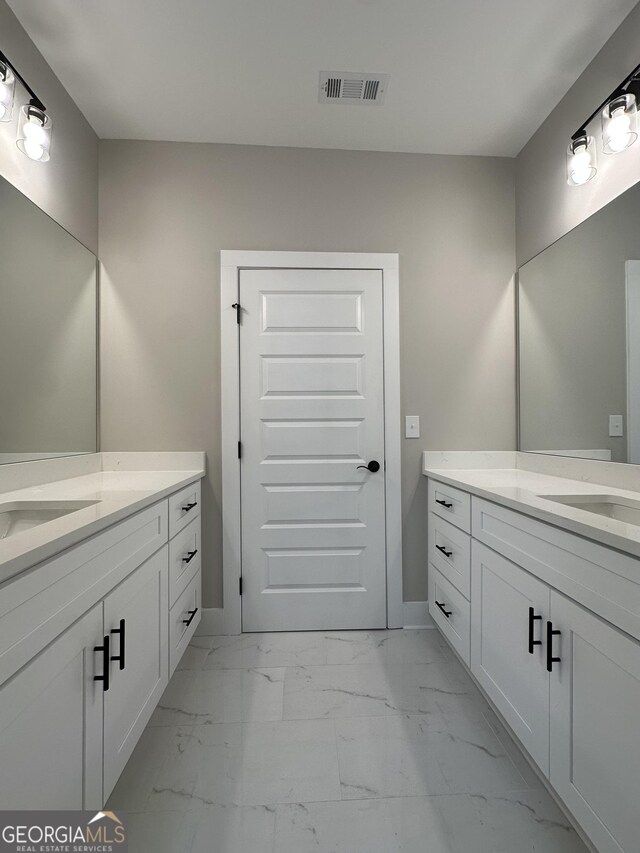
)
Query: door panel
[
  {"x": 312, "y": 410},
  {"x": 141, "y": 601},
  {"x": 51, "y": 724},
  {"x": 516, "y": 681},
  {"x": 595, "y": 708}
]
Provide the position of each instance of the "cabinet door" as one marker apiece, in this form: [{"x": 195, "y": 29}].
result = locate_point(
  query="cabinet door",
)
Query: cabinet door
[
  {"x": 516, "y": 680},
  {"x": 595, "y": 734},
  {"x": 138, "y": 608},
  {"x": 51, "y": 725}
]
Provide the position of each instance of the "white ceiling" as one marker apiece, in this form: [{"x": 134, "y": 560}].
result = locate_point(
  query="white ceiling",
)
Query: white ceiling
[{"x": 467, "y": 76}]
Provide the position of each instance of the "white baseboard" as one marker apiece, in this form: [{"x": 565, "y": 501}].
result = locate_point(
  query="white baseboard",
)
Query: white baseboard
[
  {"x": 416, "y": 615},
  {"x": 212, "y": 622}
]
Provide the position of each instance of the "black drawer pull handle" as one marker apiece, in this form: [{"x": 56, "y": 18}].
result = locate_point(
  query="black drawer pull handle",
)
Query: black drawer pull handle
[
  {"x": 189, "y": 507},
  {"x": 104, "y": 678},
  {"x": 550, "y": 635},
  {"x": 444, "y": 504},
  {"x": 447, "y": 613},
  {"x": 192, "y": 616},
  {"x": 120, "y": 657},
  {"x": 190, "y": 556},
  {"x": 532, "y": 619},
  {"x": 444, "y": 551}
]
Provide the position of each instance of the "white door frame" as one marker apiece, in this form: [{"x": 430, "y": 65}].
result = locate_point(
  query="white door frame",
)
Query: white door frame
[{"x": 231, "y": 262}]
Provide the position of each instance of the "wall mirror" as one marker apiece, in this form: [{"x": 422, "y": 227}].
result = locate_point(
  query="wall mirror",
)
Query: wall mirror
[
  {"x": 48, "y": 335},
  {"x": 579, "y": 339}
]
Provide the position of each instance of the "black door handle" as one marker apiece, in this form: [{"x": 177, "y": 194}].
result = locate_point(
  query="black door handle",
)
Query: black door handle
[
  {"x": 444, "y": 550},
  {"x": 372, "y": 466},
  {"x": 189, "y": 507},
  {"x": 192, "y": 616},
  {"x": 120, "y": 657},
  {"x": 533, "y": 618},
  {"x": 190, "y": 556},
  {"x": 104, "y": 678},
  {"x": 550, "y": 635},
  {"x": 447, "y": 613},
  {"x": 444, "y": 504}
]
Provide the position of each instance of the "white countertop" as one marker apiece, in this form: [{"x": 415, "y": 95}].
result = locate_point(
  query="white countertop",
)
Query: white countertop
[
  {"x": 520, "y": 490},
  {"x": 119, "y": 493}
]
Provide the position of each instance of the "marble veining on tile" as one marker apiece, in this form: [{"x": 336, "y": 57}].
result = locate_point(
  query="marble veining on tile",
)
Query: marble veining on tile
[{"x": 337, "y": 742}]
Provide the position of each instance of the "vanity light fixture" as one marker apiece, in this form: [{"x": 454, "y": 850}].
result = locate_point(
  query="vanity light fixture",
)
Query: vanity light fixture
[
  {"x": 34, "y": 134},
  {"x": 34, "y": 124},
  {"x": 619, "y": 124},
  {"x": 619, "y": 120},
  {"x": 7, "y": 88},
  {"x": 581, "y": 160}
]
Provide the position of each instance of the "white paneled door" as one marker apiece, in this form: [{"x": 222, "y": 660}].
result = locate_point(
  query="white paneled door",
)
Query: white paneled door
[{"x": 312, "y": 419}]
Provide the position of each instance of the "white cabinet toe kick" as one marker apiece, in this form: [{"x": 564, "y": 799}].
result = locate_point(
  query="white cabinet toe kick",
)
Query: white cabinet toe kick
[
  {"x": 548, "y": 623},
  {"x": 88, "y": 642}
]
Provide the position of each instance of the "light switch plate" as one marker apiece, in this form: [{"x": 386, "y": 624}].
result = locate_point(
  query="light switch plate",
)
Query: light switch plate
[
  {"x": 412, "y": 426},
  {"x": 616, "y": 427}
]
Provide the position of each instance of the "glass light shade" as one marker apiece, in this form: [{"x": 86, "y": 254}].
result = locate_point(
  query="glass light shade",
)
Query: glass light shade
[
  {"x": 581, "y": 160},
  {"x": 7, "y": 89},
  {"x": 34, "y": 134},
  {"x": 619, "y": 124}
]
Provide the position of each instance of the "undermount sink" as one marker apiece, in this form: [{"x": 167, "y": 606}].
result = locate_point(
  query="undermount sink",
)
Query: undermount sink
[
  {"x": 19, "y": 516},
  {"x": 609, "y": 506}
]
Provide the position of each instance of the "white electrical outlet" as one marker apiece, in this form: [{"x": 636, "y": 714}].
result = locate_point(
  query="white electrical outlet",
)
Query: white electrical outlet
[
  {"x": 412, "y": 426},
  {"x": 616, "y": 427}
]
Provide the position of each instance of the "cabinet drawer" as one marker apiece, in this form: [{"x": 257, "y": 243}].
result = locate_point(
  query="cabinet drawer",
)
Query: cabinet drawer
[
  {"x": 450, "y": 504},
  {"x": 455, "y": 626},
  {"x": 450, "y": 553},
  {"x": 184, "y": 555},
  {"x": 600, "y": 578},
  {"x": 184, "y": 619},
  {"x": 183, "y": 507}
]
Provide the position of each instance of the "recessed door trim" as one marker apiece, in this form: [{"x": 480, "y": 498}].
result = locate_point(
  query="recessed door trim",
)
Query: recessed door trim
[{"x": 231, "y": 262}]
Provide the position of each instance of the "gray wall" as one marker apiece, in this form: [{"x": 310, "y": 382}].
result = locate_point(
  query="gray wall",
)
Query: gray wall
[
  {"x": 166, "y": 209},
  {"x": 67, "y": 186},
  {"x": 546, "y": 207}
]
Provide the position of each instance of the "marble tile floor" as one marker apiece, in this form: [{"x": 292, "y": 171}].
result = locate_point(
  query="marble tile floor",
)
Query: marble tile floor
[{"x": 340, "y": 742}]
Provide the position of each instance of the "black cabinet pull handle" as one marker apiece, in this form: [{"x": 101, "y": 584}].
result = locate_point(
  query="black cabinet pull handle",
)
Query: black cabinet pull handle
[
  {"x": 189, "y": 507},
  {"x": 550, "y": 635},
  {"x": 190, "y": 556},
  {"x": 444, "y": 504},
  {"x": 532, "y": 619},
  {"x": 444, "y": 551},
  {"x": 104, "y": 678},
  {"x": 120, "y": 657},
  {"x": 372, "y": 466},
  {"x": 192, "y": 616},
  {"x": 447, "y": 613}
]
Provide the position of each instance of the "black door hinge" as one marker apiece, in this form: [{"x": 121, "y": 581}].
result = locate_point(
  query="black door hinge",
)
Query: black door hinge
[
  {"x": 239, "y": 450},
  {"x": 238, "y": 308},
  {"x": 240, "y": 585}
]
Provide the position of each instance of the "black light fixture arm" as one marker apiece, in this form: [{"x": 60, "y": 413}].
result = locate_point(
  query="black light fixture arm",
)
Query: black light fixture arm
[
  {"x": 622, "y": 89},
  {"x": 35, "y": 100}
]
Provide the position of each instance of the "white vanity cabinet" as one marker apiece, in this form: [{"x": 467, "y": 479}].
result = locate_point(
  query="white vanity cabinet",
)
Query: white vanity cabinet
[
  {"x": 85, "y": 654},
  {"x": 545, "y": 612},
  {"x": 508, "y": 613},
  {"x": 136, "y": 625},
  {"x": 51, "y": 725},
  {"x": 595, "y": 725}
]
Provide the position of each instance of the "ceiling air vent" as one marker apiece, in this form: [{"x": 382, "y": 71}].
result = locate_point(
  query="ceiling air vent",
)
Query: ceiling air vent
[{"x": 347, "y": 87}]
